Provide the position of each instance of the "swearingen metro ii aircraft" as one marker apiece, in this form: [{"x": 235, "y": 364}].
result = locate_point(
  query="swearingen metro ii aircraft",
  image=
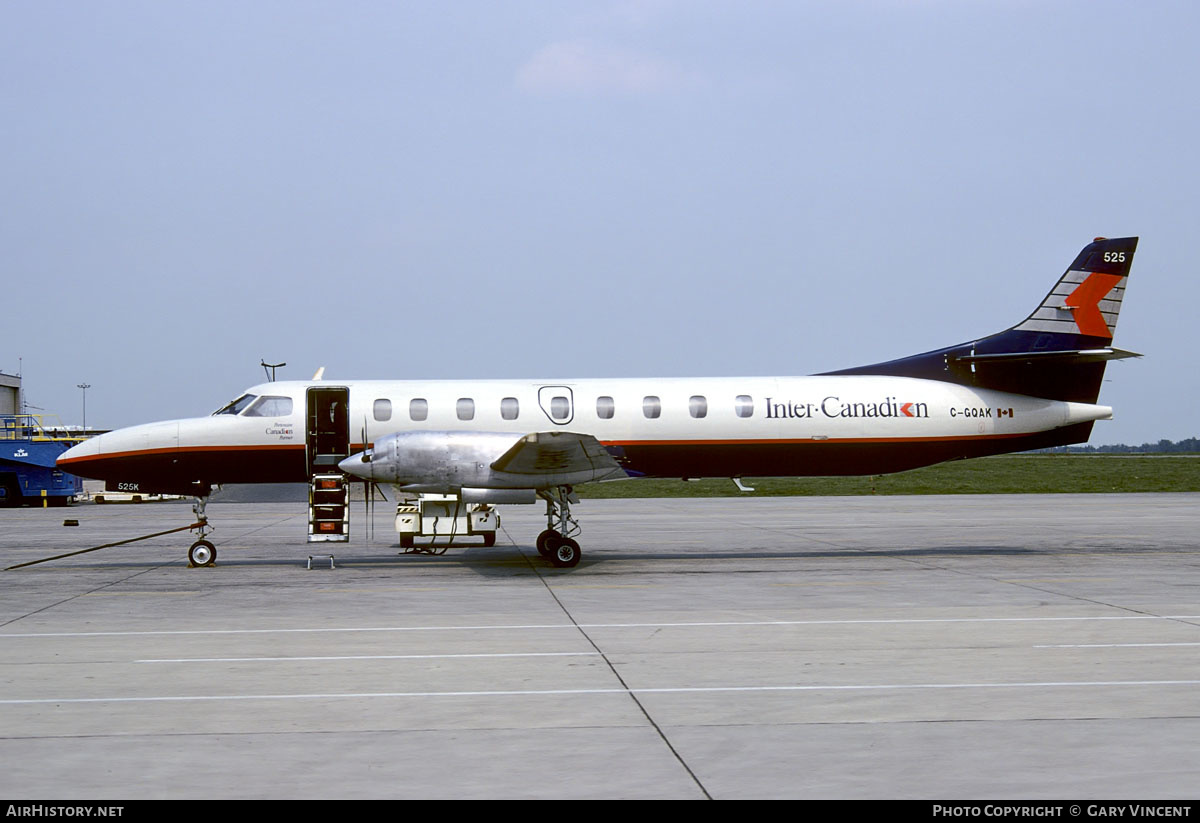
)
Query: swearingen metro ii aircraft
[{"x": 511, "y": 441}]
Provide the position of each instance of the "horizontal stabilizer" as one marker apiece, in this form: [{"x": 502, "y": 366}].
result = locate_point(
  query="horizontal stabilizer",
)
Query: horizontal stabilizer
[{"x": 1074, "y": 355}]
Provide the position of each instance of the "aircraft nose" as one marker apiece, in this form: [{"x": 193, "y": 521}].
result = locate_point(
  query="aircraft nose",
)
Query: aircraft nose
[
  {"x": 106, "y": 456},
  {"x": 79, "y": 452}
]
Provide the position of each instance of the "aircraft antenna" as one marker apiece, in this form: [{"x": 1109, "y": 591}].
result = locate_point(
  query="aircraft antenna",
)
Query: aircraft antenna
[{"x": 272, "y": 367}]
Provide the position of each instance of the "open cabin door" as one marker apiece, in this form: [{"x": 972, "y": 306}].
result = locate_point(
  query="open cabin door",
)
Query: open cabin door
[
  {"x": 327, "y": 443},
  {"x": 328, "y": 439}
]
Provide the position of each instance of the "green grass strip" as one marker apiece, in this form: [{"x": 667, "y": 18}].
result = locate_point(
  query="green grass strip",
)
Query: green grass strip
[{"x": 1006, "y": 474}]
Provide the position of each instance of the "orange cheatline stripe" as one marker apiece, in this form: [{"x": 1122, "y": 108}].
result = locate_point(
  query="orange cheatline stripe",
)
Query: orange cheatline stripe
[
  {"x": 143, "y": 452},
  {"x": 813, "y": 441},
  {"x": 734, "y": 442}
]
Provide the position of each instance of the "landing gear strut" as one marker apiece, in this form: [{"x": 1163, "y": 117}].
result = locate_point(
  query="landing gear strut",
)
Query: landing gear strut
[
  {"x": 202, "y": 552},
  {"x": 556, "y": 541}
]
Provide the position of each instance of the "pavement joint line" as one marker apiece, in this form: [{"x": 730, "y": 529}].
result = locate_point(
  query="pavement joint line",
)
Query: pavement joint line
[
  {"x": 576, "y": 626},
  {"x": 602, "y": 691},
  {"x": 362, "y": 657}
]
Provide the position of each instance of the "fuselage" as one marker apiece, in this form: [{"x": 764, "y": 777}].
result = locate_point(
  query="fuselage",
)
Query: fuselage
[{"x": 675, "y": 427}]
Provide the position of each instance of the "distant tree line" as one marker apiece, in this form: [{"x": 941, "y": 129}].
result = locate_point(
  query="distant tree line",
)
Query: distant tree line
[{"x": 1190, "y": 444}]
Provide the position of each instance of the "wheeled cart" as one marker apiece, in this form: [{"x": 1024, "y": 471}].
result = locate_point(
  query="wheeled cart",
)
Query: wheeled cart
[{"x": 445, "y": 516}]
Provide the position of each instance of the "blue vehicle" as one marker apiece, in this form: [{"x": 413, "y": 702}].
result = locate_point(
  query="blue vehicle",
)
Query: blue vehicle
[{"x": 28, "y": 474}]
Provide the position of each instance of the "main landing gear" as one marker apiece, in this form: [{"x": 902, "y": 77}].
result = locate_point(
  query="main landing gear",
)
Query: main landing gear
[
  {"x": 202, "y": 552},
  {"x": 555, "y": 542}
]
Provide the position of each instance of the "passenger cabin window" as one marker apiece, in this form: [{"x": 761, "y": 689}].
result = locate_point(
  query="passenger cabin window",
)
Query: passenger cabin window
[
  {"x": 465, "y": 408},
  {"x": 560, "y": 408},
  {"x": 605, "y": 407},
  {"x": 651, "y": 406},
  {"x": 510, "y": 408},
  {"x": 382, "y": 410},
  {"x": 418, "y": 408},
  {"x": 744, "y": 405},
  {"x": 237, "y": 406},
  {"x": 698, "y": 405},
  {"x": 270, "y": 406}
]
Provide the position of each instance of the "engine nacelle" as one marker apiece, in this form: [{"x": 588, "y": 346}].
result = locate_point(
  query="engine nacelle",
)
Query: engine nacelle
[{"x": 433, "y": 461}]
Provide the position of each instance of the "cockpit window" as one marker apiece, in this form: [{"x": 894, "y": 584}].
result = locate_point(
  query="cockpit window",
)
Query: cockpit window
[
  {"x": 237, "y": 406},
  {"x": 270, "y": 406}
]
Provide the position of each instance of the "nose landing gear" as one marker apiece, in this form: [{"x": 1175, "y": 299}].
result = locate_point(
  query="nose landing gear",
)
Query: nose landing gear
[{"x": 202, "y": 552}]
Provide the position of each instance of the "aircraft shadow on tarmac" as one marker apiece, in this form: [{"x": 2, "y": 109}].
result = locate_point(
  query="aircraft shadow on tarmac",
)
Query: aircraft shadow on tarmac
[{"x": 483, "y": 561}]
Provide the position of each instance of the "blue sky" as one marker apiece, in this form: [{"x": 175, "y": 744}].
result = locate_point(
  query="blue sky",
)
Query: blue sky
[{"x": 570, "y": 189}]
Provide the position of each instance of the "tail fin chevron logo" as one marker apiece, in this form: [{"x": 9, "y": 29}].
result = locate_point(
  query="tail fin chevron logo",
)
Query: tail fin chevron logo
[{"x": 1085, "y": 300}]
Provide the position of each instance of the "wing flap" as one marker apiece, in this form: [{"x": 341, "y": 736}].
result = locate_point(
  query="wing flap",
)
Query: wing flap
[{"x": 558, "y": 453}]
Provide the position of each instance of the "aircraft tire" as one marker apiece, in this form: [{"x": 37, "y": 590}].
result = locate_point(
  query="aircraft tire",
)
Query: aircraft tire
[
  {"x": 202, "y": 553},
  {"x": 566, "y": 554},
  {"x": 543, "y": 542}
]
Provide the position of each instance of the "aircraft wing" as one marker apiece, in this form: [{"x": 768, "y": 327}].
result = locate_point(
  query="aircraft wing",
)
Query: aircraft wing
[{"x": 556, "y": 453}]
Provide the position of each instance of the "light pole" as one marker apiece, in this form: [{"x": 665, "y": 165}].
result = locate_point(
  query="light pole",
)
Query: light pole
[{"x": 85, "y": 387}]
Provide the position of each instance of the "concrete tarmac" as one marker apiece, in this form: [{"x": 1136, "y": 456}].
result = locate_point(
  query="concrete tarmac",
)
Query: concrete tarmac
[{"x": 995, "y": 647}]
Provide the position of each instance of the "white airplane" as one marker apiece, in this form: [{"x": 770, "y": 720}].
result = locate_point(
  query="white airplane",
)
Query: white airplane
[{"x": 1032, "y": 386}]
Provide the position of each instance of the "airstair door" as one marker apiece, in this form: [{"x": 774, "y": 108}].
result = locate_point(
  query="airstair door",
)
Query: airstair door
[{"x": 328, "y": 432}]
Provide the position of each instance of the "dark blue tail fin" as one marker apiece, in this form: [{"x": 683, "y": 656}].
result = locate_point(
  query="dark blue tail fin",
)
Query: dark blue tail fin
[{"x": 1058, "y": 352}]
